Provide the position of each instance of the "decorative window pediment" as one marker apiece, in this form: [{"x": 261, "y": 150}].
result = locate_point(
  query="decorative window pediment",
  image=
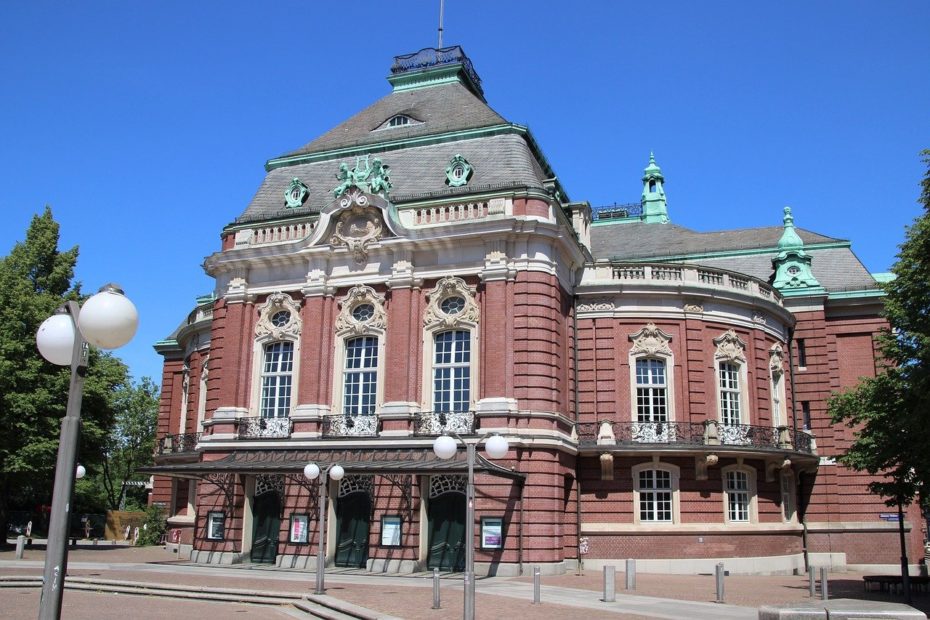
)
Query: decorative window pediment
[
  {"x": 362, "y": 312},
  {"x": 651, "y": 340},
  {"x": 295, "y": 194},
  {"x": 279, "y": 318},
  {"x": 730, "y": 348},
  {"x": 451, "y": 304},
  {"x": 458, "y": 172}
]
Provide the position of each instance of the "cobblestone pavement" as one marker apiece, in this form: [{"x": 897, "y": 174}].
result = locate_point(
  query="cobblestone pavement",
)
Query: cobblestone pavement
[{"x": 410, "y": 597}]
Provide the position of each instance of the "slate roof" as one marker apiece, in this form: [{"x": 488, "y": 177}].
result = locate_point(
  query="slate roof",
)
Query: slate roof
[
  {"x": 503, "y": 160},
  {"x": 836, "y": 268}
]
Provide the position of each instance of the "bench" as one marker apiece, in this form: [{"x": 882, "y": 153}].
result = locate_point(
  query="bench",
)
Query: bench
[{"x": 894, "y": 583}]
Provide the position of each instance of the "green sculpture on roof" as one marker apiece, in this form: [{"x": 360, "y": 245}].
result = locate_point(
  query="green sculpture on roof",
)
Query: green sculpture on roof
[
  {"x": 372, "y": 178},
  {"x": 793, "y": 274}
]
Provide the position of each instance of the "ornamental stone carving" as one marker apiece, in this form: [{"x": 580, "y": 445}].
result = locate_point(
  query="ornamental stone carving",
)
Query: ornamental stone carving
[
  {"x": 451, "y": 303},
  {"x": 295, "y": 194},
  {"x": 695, "y": 308},
  {"x": 279, "y": 318},
  {"x": 730, "y": 347},
  {"x": 651, "y": 340},
  {"x": 776, "y": 360},
  {"x": 373, "y": 177},
  {"x": 356, "y": 319},
  {"x": 358, "y": 226},
  {"x": 599, "y": 304}
]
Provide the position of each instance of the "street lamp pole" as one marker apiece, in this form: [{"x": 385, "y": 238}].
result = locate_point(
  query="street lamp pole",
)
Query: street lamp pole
[
  {"x": 312, "y": 471},
  {"x": 108, "y": 320},
  {"x": 56, "y": 553},
  {"x": 445, "y": 447}
]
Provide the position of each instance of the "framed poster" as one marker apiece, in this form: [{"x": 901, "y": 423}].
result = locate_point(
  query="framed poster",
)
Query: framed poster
[
  {"x": 216, "y": 526},
  {"x": 492, "y": 533},
  {"x": 299, "y": 529},
  {"x": 390, "y": 530}
]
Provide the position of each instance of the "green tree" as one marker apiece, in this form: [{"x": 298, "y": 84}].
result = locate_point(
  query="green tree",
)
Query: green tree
[
  {"x": 131, "y": 442},
  {"x": 35, "y": 279},
  {"x": 892, "y": 410}
]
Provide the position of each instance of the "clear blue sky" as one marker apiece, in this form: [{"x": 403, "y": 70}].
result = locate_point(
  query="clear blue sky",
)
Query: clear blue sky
[{"x": 145, "y": 125}]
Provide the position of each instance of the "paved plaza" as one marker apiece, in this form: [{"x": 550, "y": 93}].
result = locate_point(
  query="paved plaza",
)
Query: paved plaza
[{"x": 385, "y": 596}]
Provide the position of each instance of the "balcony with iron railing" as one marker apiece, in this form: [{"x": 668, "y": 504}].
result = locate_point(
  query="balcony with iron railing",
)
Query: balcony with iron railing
[
  {"x": 709, "y": 434},
  {"x": 350, "y": 426},
  {"x": 265, "y": 428},
  {"x": 432, "y": 423},
  {"x": 177, "y": 444}
]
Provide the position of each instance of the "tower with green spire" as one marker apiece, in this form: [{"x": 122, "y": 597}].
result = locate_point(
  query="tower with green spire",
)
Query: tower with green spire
[
  {"x": 793, "y": 275},
  {"x": 655, "y": 207}
]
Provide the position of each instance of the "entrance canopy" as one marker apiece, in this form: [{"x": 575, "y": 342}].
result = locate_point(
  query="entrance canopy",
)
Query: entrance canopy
[{"x": 354, "y": 461}]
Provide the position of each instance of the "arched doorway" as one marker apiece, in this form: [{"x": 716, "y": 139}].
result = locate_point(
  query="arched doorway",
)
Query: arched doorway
[
  {"x": 266, "y": 519},
  {"x": 353, "y": 520},
  {"x": 446, "y": 517}
]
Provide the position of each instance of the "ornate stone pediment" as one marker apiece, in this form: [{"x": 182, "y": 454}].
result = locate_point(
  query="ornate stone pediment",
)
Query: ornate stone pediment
[
  {"x": 357, "y": 226},
  {"x": 730, "y": 347},
  {"x": 651, "y": 340},
  {"x": 362, "y": 312},
  {"x": 451, "y": 303},
  {"x": 279, "y": 318}
]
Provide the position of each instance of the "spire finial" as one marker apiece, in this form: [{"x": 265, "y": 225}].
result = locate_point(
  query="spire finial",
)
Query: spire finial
[
  {"x": 442, "y": 4},
  {"x": 789, "y": 238}
]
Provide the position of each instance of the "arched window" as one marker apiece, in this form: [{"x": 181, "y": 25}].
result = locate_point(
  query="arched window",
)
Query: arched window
[
  {"x": 655, "y": 493},
  {"x": 452, "y": 371},
  {"x": 739, "y": 494},
  {"x": 277, "y": 379}
]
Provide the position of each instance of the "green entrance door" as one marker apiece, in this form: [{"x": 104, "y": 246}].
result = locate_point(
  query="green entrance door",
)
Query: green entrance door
[
  {"x": 353, "y": 513},
  {"x": 447, "y": 532},
  {"x": 266, "y": 516}
]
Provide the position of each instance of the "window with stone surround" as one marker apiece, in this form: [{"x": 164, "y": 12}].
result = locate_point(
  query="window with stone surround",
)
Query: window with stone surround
[
  {"x": 655, "y": 493},
  {"x": 450, "y": 340},
  {"x": 651, "y": 391},
  {"x": 276, "y": 354},
  {"x": 360, "y": 331},
  {"x": 730, "y": 365},
  {"x": 739, "y": 492},
  {"x": 651, "y": 377}
]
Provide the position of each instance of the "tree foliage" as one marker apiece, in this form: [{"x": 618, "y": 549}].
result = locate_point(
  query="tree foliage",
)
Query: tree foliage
[
  {"x": 892, "y": 410},
  {"x": 35, "y": 279},
  {"x": 131, "y": 442}
]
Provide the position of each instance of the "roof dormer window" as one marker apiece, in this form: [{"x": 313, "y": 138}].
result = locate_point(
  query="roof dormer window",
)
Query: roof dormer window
[{"x": 398, "y": 120}]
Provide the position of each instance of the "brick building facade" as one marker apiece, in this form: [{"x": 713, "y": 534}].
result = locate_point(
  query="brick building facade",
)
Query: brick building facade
[{"x": 419, "y": 270}]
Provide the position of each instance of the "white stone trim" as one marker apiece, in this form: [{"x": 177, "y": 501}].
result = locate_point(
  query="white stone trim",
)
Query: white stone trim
[
  {"x": 267, "y": 333},
  {"x": 752, "y": 491},
  {"x": 650, "y": 342},
  {"x": 675, "y": 472}
]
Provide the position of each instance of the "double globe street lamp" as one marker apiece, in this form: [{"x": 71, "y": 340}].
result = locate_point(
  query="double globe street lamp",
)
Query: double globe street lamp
[
  {"x": 107, "y": 320},
  {"x": 445, "y": 447},
  {"x": 312, "y": 471}
]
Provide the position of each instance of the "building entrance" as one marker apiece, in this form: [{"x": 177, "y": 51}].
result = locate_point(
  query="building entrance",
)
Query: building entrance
[
  {"x": 353, "y": 513},
  {"x": 266, "y": 516},
  {"x": 447, "y": 532}
]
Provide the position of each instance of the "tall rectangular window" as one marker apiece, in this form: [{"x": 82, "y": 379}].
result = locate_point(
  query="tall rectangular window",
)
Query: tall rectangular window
[
  {"x": 806, "y": 413},
  {"x": 452, "y": 372},
  {"x": 360, "y": 376},
  {"x": 651, "y": 391},
  {"x": 802, "y": 353},
  {"x": 655, "y": 495},
  {"x": 729, "y": 394},
  {"x": 277, "y": 378},
  {"x": 737, "y": 490}
]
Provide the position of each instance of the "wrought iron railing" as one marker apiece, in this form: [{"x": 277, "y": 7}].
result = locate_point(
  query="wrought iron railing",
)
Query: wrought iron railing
[
  {"x": 709, "y": 434},
  {"x": 350, "y": 426},
  {"x": 264, "y": 428},
  {"x": 177, "y": 444},
  {"x": 431, "y": 57},
  {"x": 615, "y": 211},
  {"x": 439, "y": 422}
]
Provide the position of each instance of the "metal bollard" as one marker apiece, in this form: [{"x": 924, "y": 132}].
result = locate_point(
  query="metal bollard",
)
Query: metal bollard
[
  {"x": 610, "y": 584},
  {"x": 436, "y": 604},
  {"x": 824, "y": 588},
  {"x": 536, "y": 585},
  {"x": 719, "y": 576},
  {"x": 631, "y": 574},
  {"x": 20, "y": 545},
  {"x": 813, "y": 584}
]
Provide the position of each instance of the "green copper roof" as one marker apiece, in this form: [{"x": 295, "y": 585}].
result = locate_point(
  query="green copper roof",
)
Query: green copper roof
[
  {"x": 431, "y": 66},
  {"x": 790, "y": 239},
  {"x": 655, "y": 206},
  {"x": 652, "y": 171}
]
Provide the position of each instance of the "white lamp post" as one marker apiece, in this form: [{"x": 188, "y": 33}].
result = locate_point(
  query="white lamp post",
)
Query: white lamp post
[
  {"x": 445, "y": 447},
  {"x": 107, "y": 320},
  {"x": 312, "y": 471}
]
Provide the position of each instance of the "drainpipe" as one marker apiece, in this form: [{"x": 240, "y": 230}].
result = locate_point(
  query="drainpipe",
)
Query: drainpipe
[
  {"x": 802, "y": 516},
  {"x": 577, "y": 464},
  {"x": 520, "y": 536}
]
